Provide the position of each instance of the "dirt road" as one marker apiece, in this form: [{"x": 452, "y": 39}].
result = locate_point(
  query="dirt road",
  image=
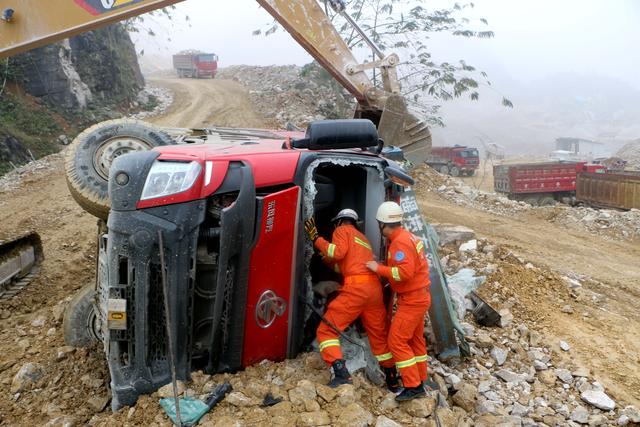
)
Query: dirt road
[{"x": 206, "y": 102}]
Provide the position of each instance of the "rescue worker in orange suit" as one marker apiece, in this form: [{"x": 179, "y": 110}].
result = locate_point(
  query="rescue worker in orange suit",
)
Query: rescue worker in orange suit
[
  {"x": 407, "y": 270},
  {"x": 360, "y": 296}
]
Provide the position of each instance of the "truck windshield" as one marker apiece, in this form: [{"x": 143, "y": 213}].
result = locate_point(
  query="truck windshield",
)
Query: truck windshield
[
  {"x": 207, "y": 58},
  {"x": 468, "y": 153}
]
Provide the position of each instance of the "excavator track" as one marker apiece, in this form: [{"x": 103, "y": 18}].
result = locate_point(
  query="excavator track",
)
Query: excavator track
[{"x": 20, "y": 260}]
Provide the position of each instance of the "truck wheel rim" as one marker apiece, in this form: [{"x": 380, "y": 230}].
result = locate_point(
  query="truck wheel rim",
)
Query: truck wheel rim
[{"x": 114, "y": 148}]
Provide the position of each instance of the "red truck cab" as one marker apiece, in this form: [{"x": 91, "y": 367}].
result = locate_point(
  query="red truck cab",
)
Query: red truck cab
[
  {"x": 455, "y": 161},
  {"x": 228, "y": 213}
]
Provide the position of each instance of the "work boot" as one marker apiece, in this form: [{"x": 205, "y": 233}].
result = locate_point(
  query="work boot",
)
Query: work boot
[
  {"x": 391, "y": 377},
  {"x": 410, "y": 393},
  {"x": 430, "y": 385},
  {"x": 340, "y": 374}
]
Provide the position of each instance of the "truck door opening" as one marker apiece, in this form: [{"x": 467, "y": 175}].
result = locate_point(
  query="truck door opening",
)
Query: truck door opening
[{"x": 334, "y": 187}]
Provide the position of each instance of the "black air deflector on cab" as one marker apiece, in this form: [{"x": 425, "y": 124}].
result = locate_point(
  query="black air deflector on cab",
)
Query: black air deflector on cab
[{"x": 339, "y": 134}]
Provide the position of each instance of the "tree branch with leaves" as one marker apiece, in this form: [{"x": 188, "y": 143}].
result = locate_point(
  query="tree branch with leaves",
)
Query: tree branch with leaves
[{"x": 405, "y": 27}]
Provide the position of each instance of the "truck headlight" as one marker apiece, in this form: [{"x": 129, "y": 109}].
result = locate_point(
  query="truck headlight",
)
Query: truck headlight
[{"x": 166, "y": 178}]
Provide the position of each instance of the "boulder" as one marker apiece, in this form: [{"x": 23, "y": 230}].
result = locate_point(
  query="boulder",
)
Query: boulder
[
  {"x": 28, "y": 375},
  {"x": 510, "y": 377},
  {"x": 325, "y": 392},
  {"x": 309, "y": 419},
  {"x": 346, "y": 394},
  {"x": 63, "y": 421},
  {"x": 564, "y": 375},
  {"x": 632, "y": 413},
  {"x": 238, "y": 399},
  {"x": 304, "y": 390},
  {"x": 547, "y": 377},
  {"x": 499, "y": 355},
  {"x": 282, "y": 409},
  {"x": 98, "y": 403},
  {"x": 383, "y": 421},
  {"x": 354, "y": 415},
  {"x": 484, "y": 340},
  {"x": 389, "y": 402},
  {"x": 599, "y": 399},
  {"x": 420, "y": 408},
  {"x": 449, "y": 233},
  {"x": 580, "y": 415},
  {"x": 466, "y": 397},
  {"x": 167, "y": 389}
]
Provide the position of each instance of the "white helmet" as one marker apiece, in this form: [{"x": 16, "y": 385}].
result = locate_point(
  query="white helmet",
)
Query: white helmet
[
  {"x": 389, "y": 213},
  {"x": 346, "y": 213}
]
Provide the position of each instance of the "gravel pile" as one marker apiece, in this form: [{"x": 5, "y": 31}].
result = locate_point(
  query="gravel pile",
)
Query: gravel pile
[
  {"x": 619, "y": 224},
  {"x": 631, "y": 153},
  {"x": 161, "y": 97},
  {"x": 290, "y": 94}
]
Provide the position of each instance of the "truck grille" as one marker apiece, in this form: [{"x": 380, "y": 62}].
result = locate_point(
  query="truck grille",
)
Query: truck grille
[{"x": 156, "y": 319}]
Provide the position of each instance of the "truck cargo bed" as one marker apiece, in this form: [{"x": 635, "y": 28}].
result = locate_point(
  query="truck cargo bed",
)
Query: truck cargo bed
[
  {"x": 526, "y": 178},
  {"x": 610, "y": 190}
]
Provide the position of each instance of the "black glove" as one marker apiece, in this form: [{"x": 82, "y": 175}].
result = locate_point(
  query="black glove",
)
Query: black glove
[{"x": 311, "y": 229}]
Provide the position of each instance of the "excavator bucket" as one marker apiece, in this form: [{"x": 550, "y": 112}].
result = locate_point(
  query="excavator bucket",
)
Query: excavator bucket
[
  {"x": 20, "y": 259},
  {"x": 401, "y": 128}
]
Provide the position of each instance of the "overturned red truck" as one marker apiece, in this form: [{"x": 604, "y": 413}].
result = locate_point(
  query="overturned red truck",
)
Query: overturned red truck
[{"x": 225, "y": 207}]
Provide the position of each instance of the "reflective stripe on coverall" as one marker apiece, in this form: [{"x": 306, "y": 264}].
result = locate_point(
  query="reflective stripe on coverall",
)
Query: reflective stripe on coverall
[
  {"x": 408, "y": 272},
  {"x": 360, "y": 295}
]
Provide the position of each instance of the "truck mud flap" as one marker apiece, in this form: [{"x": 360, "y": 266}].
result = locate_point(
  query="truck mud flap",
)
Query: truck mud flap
[{"x": 237, "y": 237}]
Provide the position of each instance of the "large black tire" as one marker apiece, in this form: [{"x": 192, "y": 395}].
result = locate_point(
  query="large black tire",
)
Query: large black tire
[
  {"x": 91, "y": 154},
  {"x": 455, "y": 171},
  {"x": 444, "y": 170},
  {"x": 547, "y": 201},
  {"x": 80, "y": 327}
]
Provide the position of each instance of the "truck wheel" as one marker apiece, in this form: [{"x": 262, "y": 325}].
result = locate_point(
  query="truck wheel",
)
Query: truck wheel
[
  {"x": 455, "y": 171},
  {"x": 471, "y": 172},
  {"x": 533, "y": 200},
  {"x": 91, "y": 154},
  {"x": 547, "y": 201},
  {"x": 80, "y": 323},
  {"x": 444, "y": 170}
]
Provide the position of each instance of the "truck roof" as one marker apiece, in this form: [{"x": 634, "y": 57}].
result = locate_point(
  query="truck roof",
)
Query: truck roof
[{"x": 273, "y": 161}]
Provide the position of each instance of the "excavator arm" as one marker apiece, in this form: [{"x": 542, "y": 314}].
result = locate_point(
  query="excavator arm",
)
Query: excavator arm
[{"x": 26, "y": 24}]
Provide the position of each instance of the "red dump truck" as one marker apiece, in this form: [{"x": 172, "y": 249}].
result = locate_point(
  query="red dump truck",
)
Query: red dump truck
[
  {"x": 195, "y": 64},
  {"x": 455, "y": 161},
  {"x": 541, "y": 184}
]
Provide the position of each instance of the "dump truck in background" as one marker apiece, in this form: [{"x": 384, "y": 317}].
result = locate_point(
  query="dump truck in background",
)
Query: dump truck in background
[
  {"x": 620, "y": 190},
  {"x": 195, "y": 64},
  {"x": 541, "y": 184},
  {"x": 455, "y": 161}
]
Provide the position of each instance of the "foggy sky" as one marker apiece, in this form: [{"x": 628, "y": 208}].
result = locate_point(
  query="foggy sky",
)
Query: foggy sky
[{"x": 534, "y": 38}]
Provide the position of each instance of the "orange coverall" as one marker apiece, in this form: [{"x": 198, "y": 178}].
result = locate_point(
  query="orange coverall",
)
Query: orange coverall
[
  {"x": 408, "y": 272},
  {"x": 360, "y": 295}
]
